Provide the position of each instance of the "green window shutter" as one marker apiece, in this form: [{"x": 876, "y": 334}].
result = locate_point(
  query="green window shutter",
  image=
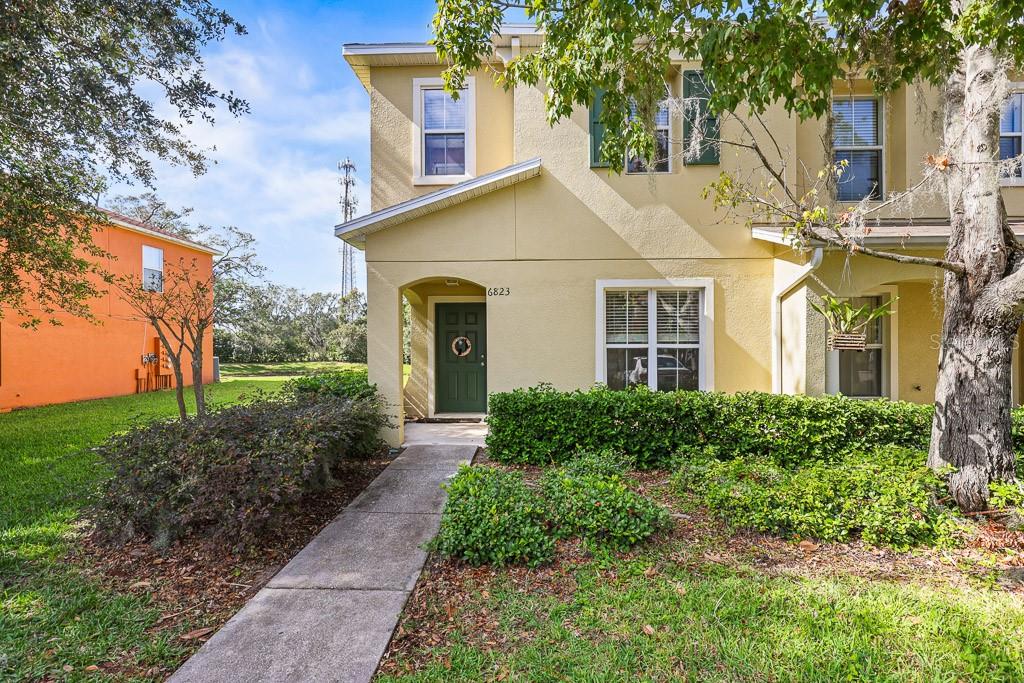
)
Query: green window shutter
[
  {"x": 694, "y": 86},
  {"x": 596, "y": 131}
]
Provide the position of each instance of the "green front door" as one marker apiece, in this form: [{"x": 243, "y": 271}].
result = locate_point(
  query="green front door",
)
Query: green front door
[{"x": 461, "y": 358}]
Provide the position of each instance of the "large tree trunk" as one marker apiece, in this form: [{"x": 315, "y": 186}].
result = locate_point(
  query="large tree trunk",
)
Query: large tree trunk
[{"x": 971, "y": 428}]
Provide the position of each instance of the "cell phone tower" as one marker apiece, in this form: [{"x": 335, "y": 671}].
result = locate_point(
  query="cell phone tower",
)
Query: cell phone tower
[{"x": 349, "y": 201}]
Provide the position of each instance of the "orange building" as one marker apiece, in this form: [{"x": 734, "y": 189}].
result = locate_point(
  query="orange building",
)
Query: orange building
[{"x": 113, "y": 355}]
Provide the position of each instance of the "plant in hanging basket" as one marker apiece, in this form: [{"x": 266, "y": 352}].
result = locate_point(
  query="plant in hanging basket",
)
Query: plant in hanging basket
[{"x": 847, "y": 326}]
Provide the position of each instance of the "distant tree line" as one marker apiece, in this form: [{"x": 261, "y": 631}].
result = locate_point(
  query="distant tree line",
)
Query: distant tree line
[
  {"x": 268, "y": 323},
  {"x": 255, "y": 321}
]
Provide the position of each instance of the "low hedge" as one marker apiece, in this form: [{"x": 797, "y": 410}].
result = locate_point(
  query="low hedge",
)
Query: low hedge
[
  {"x": 225, "y": 476},
  {"x": 886, "y": 497},
  {"x": 540, "y": 426}
]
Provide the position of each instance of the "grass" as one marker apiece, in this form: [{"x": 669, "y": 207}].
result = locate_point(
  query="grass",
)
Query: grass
[
  {"x": 711, "y": 623},
  {"x": 53, "y": 614},
  {"x": 231, "y": 371},
  {"x": 228, "y": 370}
]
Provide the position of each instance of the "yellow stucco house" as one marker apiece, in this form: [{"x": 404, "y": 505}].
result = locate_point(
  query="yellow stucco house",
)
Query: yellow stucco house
[{"x": 524, "y": 261}]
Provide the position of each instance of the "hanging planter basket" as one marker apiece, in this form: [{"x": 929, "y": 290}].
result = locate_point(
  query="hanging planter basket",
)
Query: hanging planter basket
[{"x": 847, "y": 341}]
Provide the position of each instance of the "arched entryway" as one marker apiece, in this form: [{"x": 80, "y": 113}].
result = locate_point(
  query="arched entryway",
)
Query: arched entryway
[{"x": 447, "y": 348}]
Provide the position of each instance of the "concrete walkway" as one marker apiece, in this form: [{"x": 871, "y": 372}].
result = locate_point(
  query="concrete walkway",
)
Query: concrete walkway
[{"x": 328, "y": 615}]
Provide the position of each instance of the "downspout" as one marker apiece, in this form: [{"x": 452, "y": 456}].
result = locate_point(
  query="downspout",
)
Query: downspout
[{"x": 811, "y": 266}]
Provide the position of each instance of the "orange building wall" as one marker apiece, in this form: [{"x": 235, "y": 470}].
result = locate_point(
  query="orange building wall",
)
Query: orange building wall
[{"x": 81, "y": 359}]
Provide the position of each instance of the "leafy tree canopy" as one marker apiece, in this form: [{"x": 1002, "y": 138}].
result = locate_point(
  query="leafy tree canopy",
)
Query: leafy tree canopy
[
  {"x": 756, "y": 52},
  {"x": 74, "y": 114}
]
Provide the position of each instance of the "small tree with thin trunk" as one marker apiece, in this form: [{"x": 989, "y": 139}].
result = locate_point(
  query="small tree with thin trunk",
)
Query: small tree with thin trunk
[
  {"x": 183, "y": 309},
  {"x": 791, "y": 53}
]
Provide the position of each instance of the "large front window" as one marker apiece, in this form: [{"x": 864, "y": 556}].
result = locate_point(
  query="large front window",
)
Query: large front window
[
  {"x": 860, "y": 372},
  {"x": 1011, "y": 133},
  {"x": 664, "y": 324},
  {"x": 857, "y": 140}
]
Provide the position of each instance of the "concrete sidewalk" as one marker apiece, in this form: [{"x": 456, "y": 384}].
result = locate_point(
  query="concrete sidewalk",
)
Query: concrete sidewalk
[{"x": 329, "y": 614}]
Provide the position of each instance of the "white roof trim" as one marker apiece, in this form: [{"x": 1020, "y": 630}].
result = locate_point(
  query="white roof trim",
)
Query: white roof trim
[
  {"x": 350, "y": 49},
  {"x": 354, "y": 232}
]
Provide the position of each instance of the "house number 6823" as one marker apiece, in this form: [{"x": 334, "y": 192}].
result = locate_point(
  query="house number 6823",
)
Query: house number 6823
[{"x": 499, "y": 291}]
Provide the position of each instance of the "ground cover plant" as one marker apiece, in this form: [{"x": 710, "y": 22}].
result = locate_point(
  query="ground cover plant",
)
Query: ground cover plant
[
  {"x": 885, "y": 497},
  {"x": 496, "y": 516},
  {"x": 589, "y": 497}
]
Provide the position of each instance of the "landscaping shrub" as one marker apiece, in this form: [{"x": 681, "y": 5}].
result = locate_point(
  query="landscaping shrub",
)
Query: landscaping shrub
[
  {"x": 589, "y": 498},
  {"x": 491, "y": 517},
  {"x": 887, "y": 497},
  {"x": 350, "y": 383},
  {"x": 541, "y": 426},
  {"x": 225, "y": 476}
]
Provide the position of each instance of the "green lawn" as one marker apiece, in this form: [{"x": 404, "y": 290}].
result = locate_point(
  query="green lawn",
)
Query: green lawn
[
  {"x": 228, "y": 370},
  {"x": 52, "y": 614},
  {"x": 622, "y": 621}
]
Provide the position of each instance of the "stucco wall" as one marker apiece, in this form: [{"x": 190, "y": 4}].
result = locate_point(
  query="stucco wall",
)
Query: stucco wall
[
  {"x": 391, "y": 131},
  {"x": 80, "y": 359}
]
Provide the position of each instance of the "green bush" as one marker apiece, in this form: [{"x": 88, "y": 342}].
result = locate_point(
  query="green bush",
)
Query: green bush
[
  {"x": 541, "y": 426},
  {"x": 588, "y": 498},
  {"x": 352, "y": 383},
  {"x": 491, "y": 517},
  {"x": 887, "y": 497},
  {"x": 226, "y": 476}
]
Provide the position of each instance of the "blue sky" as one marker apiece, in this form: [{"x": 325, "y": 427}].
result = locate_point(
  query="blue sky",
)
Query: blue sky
[{"x": 276, "y": 172}]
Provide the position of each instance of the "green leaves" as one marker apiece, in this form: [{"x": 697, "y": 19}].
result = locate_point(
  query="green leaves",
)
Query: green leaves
[
  {"x": 758, "y": 53},
  {"x": 491, "y": 517},
  {"x": 539, "y": 426},
  {"x": 887, "y": 497},
  {"x": 72, "y": 118}
]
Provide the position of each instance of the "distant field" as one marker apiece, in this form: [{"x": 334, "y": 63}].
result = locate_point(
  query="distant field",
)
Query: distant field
[
  {"x": 232, "y": 370},
  {"x": 256, "y": 371}
]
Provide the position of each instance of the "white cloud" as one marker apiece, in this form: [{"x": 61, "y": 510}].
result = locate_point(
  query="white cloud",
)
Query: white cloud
[{"x": 275, "y": 170}]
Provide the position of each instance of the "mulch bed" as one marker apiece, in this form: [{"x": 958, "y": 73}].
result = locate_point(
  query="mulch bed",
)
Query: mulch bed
[{"x": 197, "y": 585}]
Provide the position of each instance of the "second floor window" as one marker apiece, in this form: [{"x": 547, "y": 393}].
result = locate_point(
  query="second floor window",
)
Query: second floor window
[
  {"x": 444, "y": 133},
  {"x": 857, "y": 139},
  {"x": 1011, "y": 132},
  {"x": 660, "y": 162},
  {"x": 152, "y": 268}
]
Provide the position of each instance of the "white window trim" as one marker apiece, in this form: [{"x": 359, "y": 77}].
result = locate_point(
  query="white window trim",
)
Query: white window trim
[
  {"x": 706, "y": 285},
  {"x": 161, "y": 250},
  {"x": 890, "y": 350},
  {"x": 418, "y": 178},
  {"x": 879, "y": 147},
  {"x": 1016, "y": 88}
]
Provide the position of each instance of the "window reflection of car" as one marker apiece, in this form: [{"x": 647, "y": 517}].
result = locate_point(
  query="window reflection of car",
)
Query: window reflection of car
[{"x": 666, "y": 363}]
